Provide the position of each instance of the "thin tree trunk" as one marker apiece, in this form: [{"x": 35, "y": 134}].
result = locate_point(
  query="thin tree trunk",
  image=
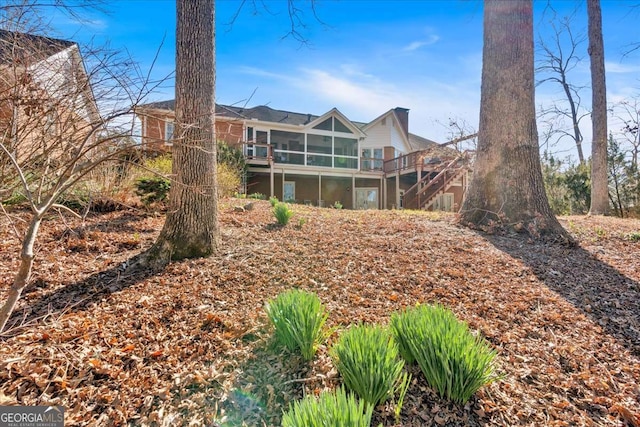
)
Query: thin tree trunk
[
  {"x": 507, "y": 188},
  {"x": 21, "y": 279},
  {"x": 577, "y": 135},
  {"x": 599, "y": 181},
  {"x": 191, "y": 228}
]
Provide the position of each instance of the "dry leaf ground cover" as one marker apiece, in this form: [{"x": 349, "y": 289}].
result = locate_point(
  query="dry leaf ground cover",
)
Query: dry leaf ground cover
[{"x": 190, "y": 345}]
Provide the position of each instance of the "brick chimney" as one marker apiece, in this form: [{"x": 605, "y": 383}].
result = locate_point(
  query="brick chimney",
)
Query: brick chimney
[{"x": 403, "y": 117}]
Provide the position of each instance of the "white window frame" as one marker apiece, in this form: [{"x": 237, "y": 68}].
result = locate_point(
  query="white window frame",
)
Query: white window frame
[
  {"x": 293, "y": 185},
  {"x": 440, "y": 202},
  {"x": 376, "y": 189},
  {"x": 169, "y": 124}
]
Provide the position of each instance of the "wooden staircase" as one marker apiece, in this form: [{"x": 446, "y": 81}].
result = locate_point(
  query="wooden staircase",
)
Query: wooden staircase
[{"x": 422, "y": 194}]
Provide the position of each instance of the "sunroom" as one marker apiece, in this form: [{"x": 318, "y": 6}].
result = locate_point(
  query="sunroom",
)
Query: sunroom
[{"x": 331, "y": 141}]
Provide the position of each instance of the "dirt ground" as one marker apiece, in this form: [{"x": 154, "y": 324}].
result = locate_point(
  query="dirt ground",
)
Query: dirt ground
[{"x": 190, "y": 345}]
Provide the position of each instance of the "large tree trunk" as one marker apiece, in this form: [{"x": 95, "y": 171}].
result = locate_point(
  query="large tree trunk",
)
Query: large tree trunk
[
  {"x": 191, "y": 228},
  {"x": 507, "y": 188},
  {"x": 599, "y": 180}
]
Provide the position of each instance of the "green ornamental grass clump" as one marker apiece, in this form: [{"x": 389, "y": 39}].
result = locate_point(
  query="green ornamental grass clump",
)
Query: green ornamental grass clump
[
  {"x": 335, "y": 409},
  {"x": 273, "y": 200},
  {"x": 282, "y": 213},
  {"x": 298, "y": 318},
  {"x": 401, "y": 324},
  {"x": 453, "y": 360},
  {"x": 367, "y": 359}
]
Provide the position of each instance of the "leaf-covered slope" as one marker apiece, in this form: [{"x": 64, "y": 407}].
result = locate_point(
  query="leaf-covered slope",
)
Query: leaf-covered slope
[{"x": 190, "y": 343}]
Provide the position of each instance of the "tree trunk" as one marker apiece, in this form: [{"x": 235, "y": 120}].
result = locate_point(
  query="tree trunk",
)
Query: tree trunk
[
  {"x": 577, "y": 135},
  {"x": 21, "y": 279},
  {"x": 191, "y": 227},
  {"x": 599, "y": 181},
  {"x": 507, "y": 188}
]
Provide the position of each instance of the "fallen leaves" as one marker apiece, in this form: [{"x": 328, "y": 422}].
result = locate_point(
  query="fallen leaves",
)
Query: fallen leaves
[{"x": 189, "y": 344}]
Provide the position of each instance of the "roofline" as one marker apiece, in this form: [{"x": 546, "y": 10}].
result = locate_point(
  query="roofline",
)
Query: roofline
[
  {"x": 329, "y": 113},
  {"x": 392, "y": 112}
]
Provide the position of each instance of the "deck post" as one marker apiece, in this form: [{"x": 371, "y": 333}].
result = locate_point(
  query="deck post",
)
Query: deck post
[
  {"x": 398, "y": 190},
  {"x": 271, "y": 180},
  {"x": 353, "y": 191}
]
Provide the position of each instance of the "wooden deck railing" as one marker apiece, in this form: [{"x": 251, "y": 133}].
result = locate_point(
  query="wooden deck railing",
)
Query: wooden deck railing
[
  {"x": 257, "y": 151},
  {"x": 422, "y": 192}
]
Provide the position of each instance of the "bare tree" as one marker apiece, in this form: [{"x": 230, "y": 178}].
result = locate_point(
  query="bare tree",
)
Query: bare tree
[
  {"x": 554, "y": 66},
  {"x": 599, "y": 178},
  {"x": 628, "y": 112},
  {"x": 191, "y": 227},
  {"x": 298, "y": 22},
  {"x": 507, "y": 188},
  {"x": 60, "y": 115}
]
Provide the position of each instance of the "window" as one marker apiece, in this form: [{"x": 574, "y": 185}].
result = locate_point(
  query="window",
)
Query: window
[
  {"x": 345, "y": 162},
  {"x": 444, "y": 202},
  {"x": 378, "y": 155},
  {"x": 366, "y": 159},
  {"x": 289, "y": 191},
  {"x": 168, "y": 132},
  {"x": 345, "y": 146},
  {"x": 51, "y": 125},
  {"x": 340, "y": 127},
  {"x": 292, "y": 141},
  {"x": 262, "y": 137},
  {"x": 366, "y": 198},
  {"x": 325, "y": 125},
  {"x": 319, "y": 144}
]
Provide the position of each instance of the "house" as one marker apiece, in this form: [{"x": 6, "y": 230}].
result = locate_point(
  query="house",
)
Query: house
[
  {"x": 47, "y": 107},
  {"x": 321, "y": 160}
]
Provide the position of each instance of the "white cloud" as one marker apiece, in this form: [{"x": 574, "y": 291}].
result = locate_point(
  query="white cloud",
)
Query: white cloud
[
  {"x": 259, "y": 72},
  {"x": 363, "y": 94},
  {"x": 616, "y": 67},
  {"x": 431, "y": 102},
  {"x": 415, "y": 45}
]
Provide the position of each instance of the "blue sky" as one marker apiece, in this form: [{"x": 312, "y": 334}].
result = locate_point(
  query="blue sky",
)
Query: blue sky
[{"x": 364, "y": 58}]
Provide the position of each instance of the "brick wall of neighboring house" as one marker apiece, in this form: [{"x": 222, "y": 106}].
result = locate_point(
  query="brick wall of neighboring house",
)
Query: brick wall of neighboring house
[
  {"x": 228, "y": 131},
  {"x": 154, "y": 136},
  {"x": 53, "y": 133}
]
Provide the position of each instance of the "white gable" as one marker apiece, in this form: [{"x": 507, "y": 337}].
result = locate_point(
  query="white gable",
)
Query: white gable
[
  {"x": 59, "y": 76},
  {"x": 386, "y": 131},
  {"x": 340, "y": 122}
]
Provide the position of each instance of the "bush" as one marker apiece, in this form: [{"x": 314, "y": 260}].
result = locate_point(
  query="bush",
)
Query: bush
[
  {"x": 154, "y": 189},
  {"x": 228, "y": 180},
  {"x": 282, "y": 213},
  {"x": 367, "y": 359},
  {"x": 337, "y": 409},
  {"x": 228, "y": 176},
  {"x": 454, "y": 361},
  {"x": 161, "y": 165},
  {"x": 273, "y": 200},
  {"x": 298, "y": 318}
]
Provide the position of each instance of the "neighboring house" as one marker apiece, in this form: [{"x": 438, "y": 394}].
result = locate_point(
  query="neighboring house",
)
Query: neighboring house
[
  {"x": 321, "y": 160},
  {"x": 47, "y": 107}
]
